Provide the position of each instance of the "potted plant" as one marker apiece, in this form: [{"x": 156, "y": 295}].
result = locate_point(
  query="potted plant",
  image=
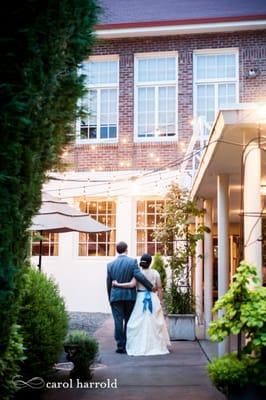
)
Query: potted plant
[
  {"x": 241, "y": 375},
  {"x": 179, "y": 241},
  {"x": 82, "y": 350}
]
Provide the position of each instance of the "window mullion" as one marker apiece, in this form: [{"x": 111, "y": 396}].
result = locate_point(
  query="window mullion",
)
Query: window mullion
[
  {"x": 216, "y": 100},
  {"x": 156, "y": 107},
  {"x": 98, "y": 113}
]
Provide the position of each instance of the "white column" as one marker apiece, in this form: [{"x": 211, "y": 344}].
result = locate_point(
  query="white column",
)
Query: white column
[
  {"x": 208, "y": 265},
  {"x": 199, "y": 276},
  {"x": 125, "y": 223},
  {"x": 252, "y": 207},
  {"x": 223, "y": 246}
]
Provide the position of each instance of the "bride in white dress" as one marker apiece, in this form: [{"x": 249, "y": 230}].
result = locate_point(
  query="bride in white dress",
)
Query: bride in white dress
[{"x": 147, "y": 333}]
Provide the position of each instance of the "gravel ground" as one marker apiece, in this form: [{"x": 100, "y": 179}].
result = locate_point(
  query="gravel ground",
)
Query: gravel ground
[{"x": 89, "y": 322}]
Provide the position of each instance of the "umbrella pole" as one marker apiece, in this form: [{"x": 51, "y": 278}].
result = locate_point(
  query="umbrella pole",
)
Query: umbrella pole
[{"x": 40, "y": 253}]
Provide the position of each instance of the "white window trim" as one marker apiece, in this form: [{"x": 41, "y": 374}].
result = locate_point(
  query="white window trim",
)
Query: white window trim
[
  {"x": 111, "y": 57},
  {"x": 207, "y": 52},
  {"x": 138, "y": 56}
]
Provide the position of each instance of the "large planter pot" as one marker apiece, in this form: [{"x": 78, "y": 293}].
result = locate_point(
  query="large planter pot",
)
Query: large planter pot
[
  {"x": 251, "y": 392},
  {"x": 182, "y": 326}
]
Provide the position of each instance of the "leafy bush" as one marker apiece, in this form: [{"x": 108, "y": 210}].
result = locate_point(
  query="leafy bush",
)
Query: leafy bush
[
  {"x": 244, "y": 307},
  {"x": 82, "y": 350},
  {"x": 158, "y": 265},
  {"x": 44, "y": 322},
  {"x": 244, "y": 310},
  {"x": 228, "y": 371},
  {"x": 180, "y": 243},
  {"x": 10, "y": 364}
]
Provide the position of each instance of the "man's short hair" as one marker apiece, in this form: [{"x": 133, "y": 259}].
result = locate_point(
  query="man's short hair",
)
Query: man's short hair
[{"x": 121, "y": 247}]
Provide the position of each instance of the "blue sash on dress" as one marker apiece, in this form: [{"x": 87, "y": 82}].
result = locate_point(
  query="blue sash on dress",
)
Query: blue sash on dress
[{"x": 147, "y": 302}]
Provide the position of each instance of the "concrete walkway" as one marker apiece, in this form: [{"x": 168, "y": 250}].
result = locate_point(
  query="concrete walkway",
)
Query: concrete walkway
[{"x": 181, "y": 375}]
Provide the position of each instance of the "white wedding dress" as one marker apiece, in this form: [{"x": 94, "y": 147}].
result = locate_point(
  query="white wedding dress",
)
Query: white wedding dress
[{"x": 147, "y": 333}]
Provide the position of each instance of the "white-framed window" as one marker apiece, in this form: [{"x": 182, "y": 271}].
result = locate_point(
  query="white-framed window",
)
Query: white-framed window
[
  {"x": 50, "y": 243},
  {"x": 216, "y": 77},
  {"x": 155, "y": 96},
  {"x": 149, "y": 213},
  {"x": 99, "y": 244},
  {"x": 101, "y": 101}
]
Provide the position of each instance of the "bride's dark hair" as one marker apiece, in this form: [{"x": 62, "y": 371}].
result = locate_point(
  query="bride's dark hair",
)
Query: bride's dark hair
[{"x": 145, "y": 261}]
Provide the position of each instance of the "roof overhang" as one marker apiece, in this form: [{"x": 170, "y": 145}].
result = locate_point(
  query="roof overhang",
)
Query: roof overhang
[
  {"x": 232, "y": 130},
  {"x": 180, "y": 27}
]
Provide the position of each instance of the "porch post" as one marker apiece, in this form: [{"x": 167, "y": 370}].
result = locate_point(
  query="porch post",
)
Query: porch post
[
  {"x": 223, "y": 246},
  {"x": 208, "y": 265},
  {"x": 199, "y": 277},
  {"x": 125, "y": 222},
  {"x": 252, "y": 207}
]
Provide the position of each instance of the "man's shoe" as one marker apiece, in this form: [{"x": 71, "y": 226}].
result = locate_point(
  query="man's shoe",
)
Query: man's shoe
[{"x": 121, "y": 351}]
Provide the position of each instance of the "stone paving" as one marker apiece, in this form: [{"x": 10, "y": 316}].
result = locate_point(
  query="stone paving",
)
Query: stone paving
[{"x": 181, "y": 375}]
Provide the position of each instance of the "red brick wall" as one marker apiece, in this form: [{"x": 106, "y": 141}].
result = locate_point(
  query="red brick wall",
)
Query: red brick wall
[{"x": 252, "y": 53}]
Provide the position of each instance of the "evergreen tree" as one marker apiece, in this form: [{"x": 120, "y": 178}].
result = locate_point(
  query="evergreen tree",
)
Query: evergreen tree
[{"x": 42, "y": 43}]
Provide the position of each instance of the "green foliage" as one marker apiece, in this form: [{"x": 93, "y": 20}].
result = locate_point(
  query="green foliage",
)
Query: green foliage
[
  {"x": 82, "y": 350},
  {"x": 228, "y": 371},
  {"x": 158, "y": 265},
  {"x": 42, "y": 44},
  {"x": 10, "y": 364},
  {"x": 179, "y": 241},
  {"x": 244, "y": 307},
  {"x": 177, "y": 301},
  {"x": 43, "y": 321}
]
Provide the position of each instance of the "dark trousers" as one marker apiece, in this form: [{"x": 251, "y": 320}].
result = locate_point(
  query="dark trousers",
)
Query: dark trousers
[{"x": 121, "y": 311}]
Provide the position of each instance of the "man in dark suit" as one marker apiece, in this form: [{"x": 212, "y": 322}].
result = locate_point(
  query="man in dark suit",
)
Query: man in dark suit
[{"x": 122, "y": 300}]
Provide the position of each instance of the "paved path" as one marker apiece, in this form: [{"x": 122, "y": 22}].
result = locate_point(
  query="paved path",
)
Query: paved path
[{"x": 181, "y": 375}]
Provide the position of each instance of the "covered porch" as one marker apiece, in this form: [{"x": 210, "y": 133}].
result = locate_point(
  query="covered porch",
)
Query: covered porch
[{"x": 230, "y": 183}]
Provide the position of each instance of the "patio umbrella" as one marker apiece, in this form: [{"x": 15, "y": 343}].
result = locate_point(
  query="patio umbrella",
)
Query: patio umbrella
[{"x": 57, "y": 216}]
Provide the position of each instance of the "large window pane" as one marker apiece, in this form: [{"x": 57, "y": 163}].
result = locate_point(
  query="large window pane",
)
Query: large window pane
[
  {"x": 49, "y": 244},
  {"x": 216, "y": 82},
  {"x": 149, "y": 213},
  {"x": 101, "y": 102},
  {"x": 103, "y": 243},
  {"x": 156, "y": 104}
]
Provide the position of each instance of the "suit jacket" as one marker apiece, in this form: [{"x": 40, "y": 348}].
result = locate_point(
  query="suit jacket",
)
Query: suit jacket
[{"x": 123, "y": 269}]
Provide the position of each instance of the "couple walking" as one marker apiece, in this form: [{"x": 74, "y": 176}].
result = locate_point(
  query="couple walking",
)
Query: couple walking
[{"x": 135, "y": 295}]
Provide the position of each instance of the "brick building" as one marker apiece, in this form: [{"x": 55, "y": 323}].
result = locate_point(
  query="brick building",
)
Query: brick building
[{"x": 159, "y": 73}]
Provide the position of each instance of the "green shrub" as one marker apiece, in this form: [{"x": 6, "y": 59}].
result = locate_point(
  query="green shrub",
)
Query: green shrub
[
  {"x": 158, "y": 265},
  {"x": 82, "y": 350},
  {"x": 10, "y": 364},
  {"x": 179, "y": 301},
  {"x": 228, "y": 371},
  {"x": 44, "y": 322}
]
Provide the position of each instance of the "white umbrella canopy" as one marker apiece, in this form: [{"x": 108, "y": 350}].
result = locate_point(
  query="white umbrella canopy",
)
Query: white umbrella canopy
[{"x": 57, "y": 216}]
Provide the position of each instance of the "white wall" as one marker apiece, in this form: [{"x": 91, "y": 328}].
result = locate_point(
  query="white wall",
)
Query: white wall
[{"x": 81, "y": 280}]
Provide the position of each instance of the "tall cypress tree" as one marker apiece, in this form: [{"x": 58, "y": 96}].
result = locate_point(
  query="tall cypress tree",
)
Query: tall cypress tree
[{"x": 42, "y": 43}]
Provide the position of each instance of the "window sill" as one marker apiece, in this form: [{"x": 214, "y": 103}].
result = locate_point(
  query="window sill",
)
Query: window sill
[
  {"x": 96, "y": 141},
  {"x": 156, "y": 140}
]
